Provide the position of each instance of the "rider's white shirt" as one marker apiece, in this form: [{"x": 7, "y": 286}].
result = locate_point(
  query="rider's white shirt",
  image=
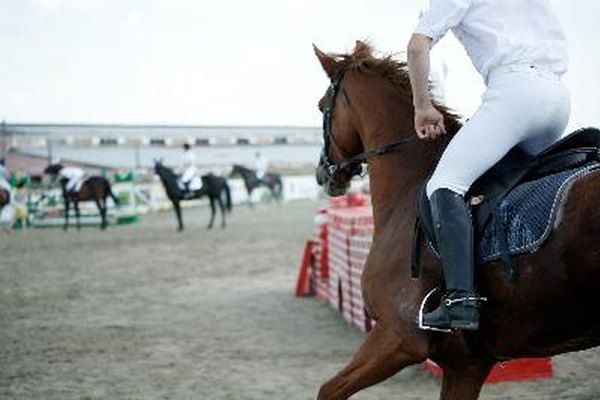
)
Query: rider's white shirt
[
  {"x": 189, "y": 159},
  {"x": 261, "y": 164},
  {"x": 498, "y": 33},
  {"x": 189, "y": 166},
  {"x": 71, "y": 173},
  {"x": 74, "y": 176}
]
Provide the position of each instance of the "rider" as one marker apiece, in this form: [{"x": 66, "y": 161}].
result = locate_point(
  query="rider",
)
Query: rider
[
  {"x": 520, "y": 50},
  {"x": 4, "y": 176},
  {"x": 189, "y": 166},
  {"x": 73, "y": 176},
  {"x": 260, "y": 164}
]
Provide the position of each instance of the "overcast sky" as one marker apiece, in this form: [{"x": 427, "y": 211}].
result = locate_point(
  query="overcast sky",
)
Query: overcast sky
[{"x": 225, "y": 62}]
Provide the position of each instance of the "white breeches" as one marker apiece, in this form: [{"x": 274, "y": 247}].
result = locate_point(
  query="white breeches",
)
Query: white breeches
[
  {"x": 188, "y": 174},
  {"x": 523, "y": 106},
  {"x": 260, "y": 173},
  {"x": 74, "y": 184},
  {"x": 5, "y": 185}
]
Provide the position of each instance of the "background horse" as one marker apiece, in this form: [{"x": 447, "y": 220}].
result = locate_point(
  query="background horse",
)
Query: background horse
[
  {"x": 271, "y": 181},
  {"x": 94, "y": 188},
  {"x": 4, "y": 197},
  {"x": 212, "y": 186},
  {"x": 550, "y": 309}
]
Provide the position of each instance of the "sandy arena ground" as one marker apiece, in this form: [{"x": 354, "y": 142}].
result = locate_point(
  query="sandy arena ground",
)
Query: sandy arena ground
[{"x": 142, "y": 312}]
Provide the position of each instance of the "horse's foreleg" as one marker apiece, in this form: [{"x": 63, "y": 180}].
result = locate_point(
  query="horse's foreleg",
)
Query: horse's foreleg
[
  {"x": 66, "y": 214},
  {"x": 103, "y": 214},
  {"x": 213, "y": 211},
  {"x": 177, "y": 209},
  {"x": 77, "y": 220},
  {"x": 222, "y": 207},
  {"x": 382, "y": 354},
  {"x": 250, "y": 197},
  {"x": 465, "y": 382}
]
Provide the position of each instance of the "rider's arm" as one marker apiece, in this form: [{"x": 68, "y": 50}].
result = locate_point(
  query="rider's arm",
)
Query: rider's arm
[
  {"x": 442, "y": 15},
  {"x": 429, "y": 122},
  {"x": 418, "y": 65}
]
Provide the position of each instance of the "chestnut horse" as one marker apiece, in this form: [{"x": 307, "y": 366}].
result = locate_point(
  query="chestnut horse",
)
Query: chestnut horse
[{"x": 549, "y": 310}]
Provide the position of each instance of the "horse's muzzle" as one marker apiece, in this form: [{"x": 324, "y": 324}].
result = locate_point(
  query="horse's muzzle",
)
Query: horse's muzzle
[
  {"x": 321, "y": 175},
  {"x": 327, "y": 180}
]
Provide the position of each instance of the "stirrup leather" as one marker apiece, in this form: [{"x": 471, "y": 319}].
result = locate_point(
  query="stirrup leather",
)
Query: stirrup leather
[{"x": 469, "y": 301}]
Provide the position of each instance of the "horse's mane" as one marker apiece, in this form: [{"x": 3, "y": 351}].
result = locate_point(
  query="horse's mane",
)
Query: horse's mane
[
  {"x": 160, "y": 168},
  {"x": 362, "y": 60}
]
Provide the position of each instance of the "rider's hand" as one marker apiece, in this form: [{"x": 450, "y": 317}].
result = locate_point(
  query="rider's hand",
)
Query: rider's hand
[{"x": 429, "y": 123}]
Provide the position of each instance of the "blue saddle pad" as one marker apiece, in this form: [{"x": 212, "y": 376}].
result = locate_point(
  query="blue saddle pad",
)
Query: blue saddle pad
[{"x": 527, "y": 214}]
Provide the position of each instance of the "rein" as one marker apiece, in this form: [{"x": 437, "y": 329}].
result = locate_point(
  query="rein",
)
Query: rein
[
  {"x": 377, "y": 151},
  {"x": 332, "y": 167}
]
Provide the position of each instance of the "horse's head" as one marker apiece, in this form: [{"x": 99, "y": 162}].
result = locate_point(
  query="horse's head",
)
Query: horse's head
[
  {"x": 367, "y": 112},
  {"x": 158, "y": 165},
  {"x": 235, "y": 171},
  {"x": 53, "y": 169},
  {"x": 342, "y": 140}
]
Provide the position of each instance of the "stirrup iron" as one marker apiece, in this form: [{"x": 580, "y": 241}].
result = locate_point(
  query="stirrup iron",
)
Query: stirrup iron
[{"x": 422, "y": 312}]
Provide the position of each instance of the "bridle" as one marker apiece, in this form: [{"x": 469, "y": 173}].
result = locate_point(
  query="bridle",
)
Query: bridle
[{"x": 329, "y": 168}]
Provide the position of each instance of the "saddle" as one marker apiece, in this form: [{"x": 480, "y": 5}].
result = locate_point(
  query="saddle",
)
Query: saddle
[{"x": 515, "y": 180}]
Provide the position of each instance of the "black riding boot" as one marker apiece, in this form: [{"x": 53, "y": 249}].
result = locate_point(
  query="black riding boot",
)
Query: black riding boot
[
  {"x": 459, "y": 307},
  {"x": 187, "y": 194}
]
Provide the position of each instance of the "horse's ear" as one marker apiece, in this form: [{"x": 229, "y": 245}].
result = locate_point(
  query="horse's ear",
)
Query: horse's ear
[
  {"x": 327, "y": 62},
  {"x": 362, "y": 49}
]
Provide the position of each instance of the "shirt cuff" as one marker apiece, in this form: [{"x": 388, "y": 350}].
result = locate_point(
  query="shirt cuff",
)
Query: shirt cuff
[{"x": 426, "y": 30}]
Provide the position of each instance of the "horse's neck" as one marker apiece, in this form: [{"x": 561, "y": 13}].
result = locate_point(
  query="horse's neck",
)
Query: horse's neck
[
  {"x": 168, "y": 175},
  {"x": 396, "y": 179},
  {"x": 393, "y": 197},
  {"x": 169, "y": 179},
  {"x": 247, "y": 173}
]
